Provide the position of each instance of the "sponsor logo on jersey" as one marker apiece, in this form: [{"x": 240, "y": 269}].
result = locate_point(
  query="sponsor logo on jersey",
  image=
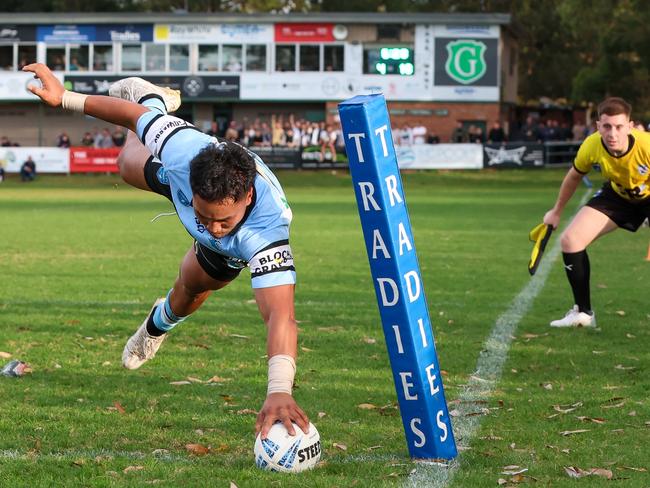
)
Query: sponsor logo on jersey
[
  {"x": 162, "y": 175},
  {"x": 183, "y": 199},
  {"x": 276, "y": 257}
]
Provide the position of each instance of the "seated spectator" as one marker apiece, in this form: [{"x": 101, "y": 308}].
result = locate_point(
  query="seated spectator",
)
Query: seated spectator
[
  {"x": 5, "y": 142},
  {"x": 2, "y": 173},
  {"x": 327, "y": 142},
  {"x": 459, "y": 134},
  {"x": 433, "y": 138},
  {"x": 63, "y": 140},
  {"x": 232, "y": 134},
  {"x": 104, "y": 140},
  {"x": 214, "y": 129},
  {"x": 419, "y": 132},
  {"x": 406, "y": 136},
  {"x": 496, "y": 135},
  {"x": 579, "y": 131},
  {"x": 118, "y": 137},
  {"x": 28, "y": 170},
  {"x": 476, "y": 135},
  {"x": 87, "y": 140}
]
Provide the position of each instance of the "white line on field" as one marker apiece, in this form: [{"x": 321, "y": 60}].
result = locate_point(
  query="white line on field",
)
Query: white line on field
[{"x": 488, "y": 372}]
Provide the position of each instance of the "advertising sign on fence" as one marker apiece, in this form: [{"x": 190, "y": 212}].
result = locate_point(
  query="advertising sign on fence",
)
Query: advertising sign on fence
[
  {"x": 94, "y": 160},
  {"x": 47, "y": 159}
]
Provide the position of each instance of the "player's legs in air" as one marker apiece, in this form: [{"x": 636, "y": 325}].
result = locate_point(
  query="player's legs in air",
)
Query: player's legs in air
[
  {"x": 194, "y": 284},
  {"x": 587, "y": 226}
]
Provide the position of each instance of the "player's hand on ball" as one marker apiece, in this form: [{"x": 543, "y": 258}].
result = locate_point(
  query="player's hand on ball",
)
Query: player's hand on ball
[
  {"x": 280, "y": 407},
  {"x": 51, "y": 89}
]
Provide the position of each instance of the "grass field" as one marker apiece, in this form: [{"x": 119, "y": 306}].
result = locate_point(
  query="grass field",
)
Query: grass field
[{"x": 81, "y": 264}]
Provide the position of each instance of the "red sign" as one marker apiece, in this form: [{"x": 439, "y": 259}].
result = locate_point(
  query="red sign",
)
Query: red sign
[
  {"x": 93, "y": 160},
  {"x": 304, "y": 33}
]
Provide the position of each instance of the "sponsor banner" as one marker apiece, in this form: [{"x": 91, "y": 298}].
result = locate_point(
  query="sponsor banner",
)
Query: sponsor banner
[
  {"x": 466, "y": 62},
  {"x": 60, "y": 34},
  {"x": 440, "y": 156},
  {"x": 15, "y": 33},
  {"x": 191, "y": 87},
  {"x": 124, "y": 32},
  {"x": 13, "y": 85},
  {"x": 213, "y": 33},
  {"x": 329, "y": 86},
  {"x": 304, "y": 33},
  {"x": 94, "y": 160},
  {"x": 514, "y": 155},
  {"x": 47, "y": 159}
]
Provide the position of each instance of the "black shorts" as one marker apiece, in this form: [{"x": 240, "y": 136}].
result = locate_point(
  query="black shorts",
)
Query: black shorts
[
  {"x": 214, "y": 264},
  {"x": 628, "y": 215}
]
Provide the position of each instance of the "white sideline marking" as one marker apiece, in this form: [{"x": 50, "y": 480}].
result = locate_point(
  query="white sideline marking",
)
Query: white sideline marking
[
  {"x": 488, "y": 372},
  {"x": 75, "y": 454}
]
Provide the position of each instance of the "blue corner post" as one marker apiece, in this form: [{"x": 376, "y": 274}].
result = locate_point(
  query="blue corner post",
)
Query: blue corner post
[{"x": 396, "y": 277}]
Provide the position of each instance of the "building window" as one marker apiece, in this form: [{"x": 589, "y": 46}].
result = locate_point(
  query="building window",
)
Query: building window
[
  {"x": 7, "y": 57},
  {"x": 131, "y": 57},
  {"x": 309, "y": 57},
  {"x": 55, "y": 58},
  {"x": 232, "y": 57},
  {"x": 388, "y": 60},
  {"x": 285, "y": 57},
  {"x": 256, "y": 57},
  {"x": 102, "y": 57},
  {"x": 155, "y": 57},
  {"x": 208, "y": 57},
  {"x": 26, "y": 54},
  {"x": 79, "y": 57},
  {"x": 333, "y": 58},
  {"x": 179, "y": 57}
]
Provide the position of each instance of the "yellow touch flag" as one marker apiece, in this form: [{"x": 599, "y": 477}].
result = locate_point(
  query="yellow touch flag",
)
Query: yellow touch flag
[{"x": 540, "y": 236}]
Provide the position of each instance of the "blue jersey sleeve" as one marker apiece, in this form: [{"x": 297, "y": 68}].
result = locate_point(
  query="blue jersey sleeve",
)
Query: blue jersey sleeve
[{"x": 172, "y": 140}]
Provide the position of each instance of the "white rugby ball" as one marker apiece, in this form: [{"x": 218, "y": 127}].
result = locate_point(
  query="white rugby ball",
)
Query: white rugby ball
[{"x": 283, "y": 452}]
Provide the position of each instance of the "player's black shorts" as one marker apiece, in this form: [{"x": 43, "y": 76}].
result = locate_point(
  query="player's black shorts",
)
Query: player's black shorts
[
  {"x": 628, "y": 215},
  {"x": 213, "y": 263}
]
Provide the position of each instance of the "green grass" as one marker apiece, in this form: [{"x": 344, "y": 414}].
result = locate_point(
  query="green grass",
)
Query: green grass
[{"x": 81, "y": 264}]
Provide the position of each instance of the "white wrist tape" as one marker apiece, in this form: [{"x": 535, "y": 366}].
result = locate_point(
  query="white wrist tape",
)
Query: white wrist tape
[
  {"x": 282, "y": 370},
  {"x": 73, "y": 101}
]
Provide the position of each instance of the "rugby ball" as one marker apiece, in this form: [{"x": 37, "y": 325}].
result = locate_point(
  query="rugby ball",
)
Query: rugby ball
[{"x": 286, "y": 453}]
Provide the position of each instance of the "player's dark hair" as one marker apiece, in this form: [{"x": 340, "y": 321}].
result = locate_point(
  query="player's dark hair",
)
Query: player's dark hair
[
  {"x": 222, "y": 172},
  {"x": 614, "y": 106}
]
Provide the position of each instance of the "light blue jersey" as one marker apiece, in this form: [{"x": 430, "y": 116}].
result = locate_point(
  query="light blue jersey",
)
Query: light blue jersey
[{"x": 261, "y": 241}]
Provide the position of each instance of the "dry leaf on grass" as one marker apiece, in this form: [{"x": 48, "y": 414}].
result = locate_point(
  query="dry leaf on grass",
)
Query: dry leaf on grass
[
  {"x": 130, "y": 469},
  {"x": 366, "y": 406},
  {"x": 572, "y": 432},
  {"x": 321, "y": 415},
  {"x": 630, "y": 468},
  {"x": 501, "y": 481},
  {"x": 595, "y": 420},
  {"x": 197, "y": 449},
  {"x": 513, "y": 470},
  {"x": 218, "y": 379},
  {"x": 233, "y": 485},
  {"x": 621, "y": 313},
  {"x": 575, "y": 472},
  {"x": 119, "y": 407},
  {"x": 238, "y": 336},
  {"x": 247, "y": 411},
  {"x": 180, "y": 383},
  {"x": 5, "y": 355},
  {"x": 369, "y": 340},
  {"x": 342, "y": 447}
]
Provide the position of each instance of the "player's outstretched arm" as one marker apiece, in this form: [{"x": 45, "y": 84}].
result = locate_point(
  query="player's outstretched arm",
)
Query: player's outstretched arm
[
  {"x": 277, "y": 309},
  {"x": 113, "y": 110}
]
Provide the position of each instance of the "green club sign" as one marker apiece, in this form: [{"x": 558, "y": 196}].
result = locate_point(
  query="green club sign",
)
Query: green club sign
[{"x": 466, "y": 61}]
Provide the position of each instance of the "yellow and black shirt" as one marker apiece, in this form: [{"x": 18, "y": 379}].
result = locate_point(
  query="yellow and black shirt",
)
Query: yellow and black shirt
[{"x": 629, "y": 173}]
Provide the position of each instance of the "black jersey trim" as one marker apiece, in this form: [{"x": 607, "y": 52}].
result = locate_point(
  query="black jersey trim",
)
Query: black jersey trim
[
  {"x": 249, "y": 209},
  {"x": 149, "y": 96},
  {"x": 272, "y": 245},
  {"x": 148, "y": 126},
  {"x": 276, "y": 270},
  {"x": 172, "y": 133},
  {"x": 579, "y": 171},
  {"x": 630, "y": 146}
]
